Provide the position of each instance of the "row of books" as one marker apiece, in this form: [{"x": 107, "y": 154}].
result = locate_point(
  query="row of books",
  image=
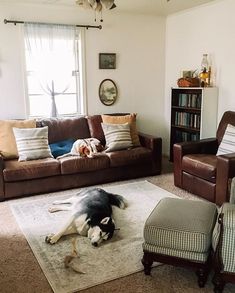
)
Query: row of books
[
  {"x": 190, "y": 100},
  {"x": 187, "y": 119},
  {"x": 186, "y": 136}
]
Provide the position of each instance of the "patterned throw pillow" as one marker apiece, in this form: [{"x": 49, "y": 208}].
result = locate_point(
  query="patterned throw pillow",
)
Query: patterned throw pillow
[
  {"x": 32, "y": 143},
  {"x": 131, "y": 119},
  {"x": 227, "y": 144},
  {"x": 117, "y": 136},
  {"x": 8, "y": 147}
]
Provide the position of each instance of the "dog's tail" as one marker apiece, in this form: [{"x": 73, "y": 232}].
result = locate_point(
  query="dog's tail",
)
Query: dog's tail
[{"x": 117, "y": 200}]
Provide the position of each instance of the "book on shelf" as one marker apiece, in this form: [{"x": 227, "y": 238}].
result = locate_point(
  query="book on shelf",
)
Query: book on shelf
[
  {"x": 189, "y": 100},
  {"x": 187, "y": 119},
  {"x": 182, "y": 136}
]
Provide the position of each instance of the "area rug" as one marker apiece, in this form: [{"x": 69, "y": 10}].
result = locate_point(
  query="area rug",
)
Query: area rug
[{"x": 118, "y": 257}]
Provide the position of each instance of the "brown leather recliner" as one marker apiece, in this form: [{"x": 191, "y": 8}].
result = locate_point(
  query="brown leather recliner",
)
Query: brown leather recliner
[{"x": 198, "y": 170}]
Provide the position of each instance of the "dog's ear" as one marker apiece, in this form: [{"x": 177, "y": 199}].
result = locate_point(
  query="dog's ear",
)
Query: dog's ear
[{"x": 105, "y": 221}]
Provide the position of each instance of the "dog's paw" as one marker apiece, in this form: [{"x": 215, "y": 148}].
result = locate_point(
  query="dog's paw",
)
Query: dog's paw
[
  {"x": 53, "y": 209},
  {"x": 50, "y": 239},
  {"x": 123, "y": 204}
]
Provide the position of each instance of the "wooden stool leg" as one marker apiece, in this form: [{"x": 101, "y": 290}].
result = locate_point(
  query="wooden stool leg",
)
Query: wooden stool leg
[
  {"x": 218, "y": 283},
  {"x": 147, "y": 263},
  {"x": 202, "y": 274}
]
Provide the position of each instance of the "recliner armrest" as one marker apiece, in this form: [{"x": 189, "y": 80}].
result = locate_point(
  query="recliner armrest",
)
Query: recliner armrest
[
  {"x": 203, "y": 146},
  {"x": 155, "y": 145},
  {"x": 1, "y": 178}
]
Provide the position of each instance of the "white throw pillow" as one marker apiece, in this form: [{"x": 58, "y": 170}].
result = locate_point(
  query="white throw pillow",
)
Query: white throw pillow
[
  {"x": 227, "y": 144},
  {"x": 117, "y": 136},
  {"x": 32, "y": 143}
]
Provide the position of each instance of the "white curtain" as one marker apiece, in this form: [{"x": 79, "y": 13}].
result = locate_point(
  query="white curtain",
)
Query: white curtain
[{"x": 51, "y": 50}]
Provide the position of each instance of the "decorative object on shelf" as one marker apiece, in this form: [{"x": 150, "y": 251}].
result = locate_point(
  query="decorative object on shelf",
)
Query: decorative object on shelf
[
  {"x": 188, "y": 79},
  {"x": 188, "y": 82},
  {"x": 97, "y": 5},
  {"x": 107, "y": 61},
  {"x": 108, "y": 92},
  {"x": 205, "y": 73}
]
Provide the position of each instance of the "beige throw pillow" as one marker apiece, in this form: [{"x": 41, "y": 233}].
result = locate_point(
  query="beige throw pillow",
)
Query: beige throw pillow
[
  {"x": 8, "y": 147},
  {"x": 227, "y": 145},
  {"x": 32, "y": 143},
  {"x": 131, "y": 119},
  {"x": 117, "y": 136}
]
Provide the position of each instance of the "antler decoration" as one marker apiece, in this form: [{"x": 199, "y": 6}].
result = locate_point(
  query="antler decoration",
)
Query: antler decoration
[{"x": 96, "y": 5}]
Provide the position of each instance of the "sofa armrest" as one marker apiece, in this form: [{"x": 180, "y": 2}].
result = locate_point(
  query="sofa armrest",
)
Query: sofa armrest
[
  {"x": 203, "y": 146},
  {"x": 225, "y": 170},
  {"x": 1, "y": 178},
  {"x": 155, "y": 145}
]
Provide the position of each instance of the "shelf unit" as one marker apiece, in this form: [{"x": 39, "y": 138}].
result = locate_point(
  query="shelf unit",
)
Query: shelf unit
[{"x": 193, "y": 114}]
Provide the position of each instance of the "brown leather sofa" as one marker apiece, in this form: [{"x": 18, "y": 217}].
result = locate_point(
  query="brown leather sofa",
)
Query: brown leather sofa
[
  {"x": 47, "y": 175},
  {"x": 198, "y": 170}
]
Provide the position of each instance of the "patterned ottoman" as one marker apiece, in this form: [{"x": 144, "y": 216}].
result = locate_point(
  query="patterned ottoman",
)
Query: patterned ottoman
[{"x": 179, "y": 232}]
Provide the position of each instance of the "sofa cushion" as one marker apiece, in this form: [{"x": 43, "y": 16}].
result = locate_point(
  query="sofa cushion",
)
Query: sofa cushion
[
  {"x": 94, "y": 123},
  {"x": 32, "y": 143},
  {"x": 131, "y": 119},
  {"x": 65, "y": 128},
  {"x": 138, "y": 155},
  {"x": 200, "y": 165},
  {"x": 61, "y": 147},
  {"x": 74, "y": 164},
  {"x": 8, "y": 148},
  {"x": 17, "y": 171}
]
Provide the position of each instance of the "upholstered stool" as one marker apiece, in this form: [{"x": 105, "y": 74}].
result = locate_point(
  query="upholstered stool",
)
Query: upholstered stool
[{"x": 179, "y": 232}]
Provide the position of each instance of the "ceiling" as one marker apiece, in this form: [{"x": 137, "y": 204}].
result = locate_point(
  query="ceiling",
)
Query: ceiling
[{"x": 155, "y": 7}]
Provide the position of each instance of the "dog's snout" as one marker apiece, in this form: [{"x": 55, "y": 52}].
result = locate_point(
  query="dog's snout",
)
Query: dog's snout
[{"x": 95, "y": 244}]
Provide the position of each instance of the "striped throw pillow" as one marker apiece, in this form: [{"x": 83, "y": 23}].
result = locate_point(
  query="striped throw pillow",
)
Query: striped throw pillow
[
  {"x": 117, "y": 136},
  {"x": 227, "y": 144},
  {"x": 32, "y": 143}
]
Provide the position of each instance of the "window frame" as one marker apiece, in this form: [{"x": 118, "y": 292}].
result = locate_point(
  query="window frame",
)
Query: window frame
[{"x": 81, "y": 81}]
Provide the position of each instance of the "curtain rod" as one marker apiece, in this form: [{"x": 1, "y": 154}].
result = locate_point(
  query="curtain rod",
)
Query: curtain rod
[{"x": 77, "y": 25}]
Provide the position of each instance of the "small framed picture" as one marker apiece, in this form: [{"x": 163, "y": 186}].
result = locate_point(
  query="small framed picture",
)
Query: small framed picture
[
  {"x": 107, "y": 61},
  {"x": 188, "y": 73},
  {"x": 108, "y": 92}
]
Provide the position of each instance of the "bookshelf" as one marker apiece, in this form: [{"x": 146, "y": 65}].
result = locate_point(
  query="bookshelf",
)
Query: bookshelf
[{"x": 193, "y": 114}]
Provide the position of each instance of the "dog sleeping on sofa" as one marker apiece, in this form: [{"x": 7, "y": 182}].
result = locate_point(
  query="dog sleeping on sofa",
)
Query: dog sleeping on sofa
[{"x": 87, "y": 147}]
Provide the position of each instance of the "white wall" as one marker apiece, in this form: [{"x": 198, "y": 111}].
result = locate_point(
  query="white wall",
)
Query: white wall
[
  {"x": 138, "y": 41},
  {"x": 206, "y": 29}
]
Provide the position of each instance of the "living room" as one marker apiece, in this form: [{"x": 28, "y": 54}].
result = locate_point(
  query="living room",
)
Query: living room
[{"x": 151, "y": 49}]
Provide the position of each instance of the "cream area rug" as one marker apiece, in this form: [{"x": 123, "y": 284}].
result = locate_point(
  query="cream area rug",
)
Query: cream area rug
[{"x": 113, "y": 259}]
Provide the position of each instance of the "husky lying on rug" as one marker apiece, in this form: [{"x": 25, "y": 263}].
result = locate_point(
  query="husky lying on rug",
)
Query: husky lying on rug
[
  {"x": 92, "y": 215},
  {"x": 87, "y": 147}
]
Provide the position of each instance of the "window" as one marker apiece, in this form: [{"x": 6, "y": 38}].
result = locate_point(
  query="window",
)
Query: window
[{"x": 53, "y": 70}]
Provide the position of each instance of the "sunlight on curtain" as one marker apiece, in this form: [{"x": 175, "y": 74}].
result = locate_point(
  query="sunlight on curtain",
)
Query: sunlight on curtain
[{"x": 52, "y": 64}]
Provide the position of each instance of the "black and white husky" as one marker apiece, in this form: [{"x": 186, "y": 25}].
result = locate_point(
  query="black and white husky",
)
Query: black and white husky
[{"x": 91, "y": 217}]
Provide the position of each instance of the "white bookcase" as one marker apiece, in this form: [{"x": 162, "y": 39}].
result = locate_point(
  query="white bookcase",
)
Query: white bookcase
[{"x": 193, "y": 114}]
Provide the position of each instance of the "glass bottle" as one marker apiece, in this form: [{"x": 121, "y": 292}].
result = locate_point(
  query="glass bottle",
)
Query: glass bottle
[
  {"x": 204, "y": 71},
  {"x": 204, "y": 64}
]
